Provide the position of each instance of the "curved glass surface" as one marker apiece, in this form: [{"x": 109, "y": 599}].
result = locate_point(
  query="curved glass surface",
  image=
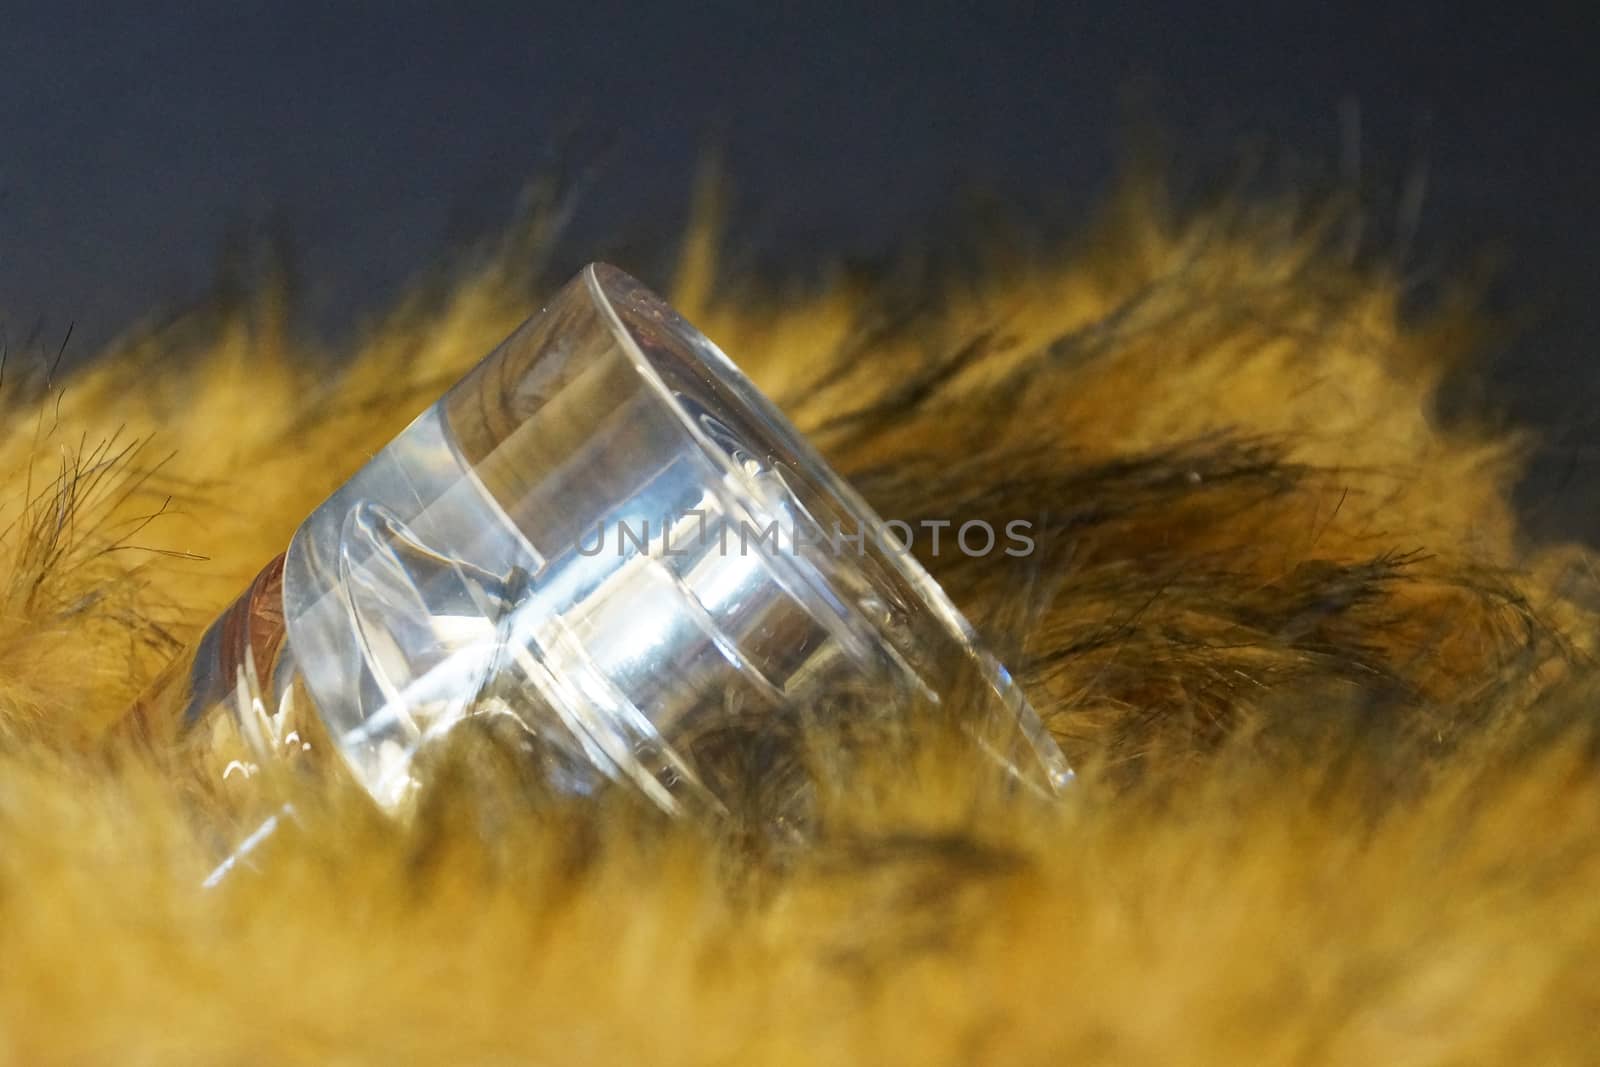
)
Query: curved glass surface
[{"x": 607, "y": 537}]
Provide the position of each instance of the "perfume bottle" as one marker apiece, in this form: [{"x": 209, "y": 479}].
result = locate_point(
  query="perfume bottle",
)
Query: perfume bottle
[{"x": 608, "y": 540}]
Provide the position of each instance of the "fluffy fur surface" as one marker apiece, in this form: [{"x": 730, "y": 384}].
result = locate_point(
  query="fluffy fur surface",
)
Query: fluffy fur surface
[{"x": 1337, "y": 790}]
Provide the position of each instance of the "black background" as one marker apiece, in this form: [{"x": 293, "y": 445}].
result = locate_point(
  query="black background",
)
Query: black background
[{"x": 133, "y": 139}]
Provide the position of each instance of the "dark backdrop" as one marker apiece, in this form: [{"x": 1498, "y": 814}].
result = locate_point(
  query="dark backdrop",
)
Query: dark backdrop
[{"x": 133, "y": 139}]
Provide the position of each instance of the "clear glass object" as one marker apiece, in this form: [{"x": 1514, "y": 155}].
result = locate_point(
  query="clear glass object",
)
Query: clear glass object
[{"x": 606, "y": 537}]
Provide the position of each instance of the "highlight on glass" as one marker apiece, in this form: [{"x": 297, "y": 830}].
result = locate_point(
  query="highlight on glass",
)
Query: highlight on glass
[{"x": 457, "y": 576}]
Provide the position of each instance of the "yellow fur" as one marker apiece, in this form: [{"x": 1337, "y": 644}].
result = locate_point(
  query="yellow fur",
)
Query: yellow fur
[{"x": 1339, "y": 793}]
